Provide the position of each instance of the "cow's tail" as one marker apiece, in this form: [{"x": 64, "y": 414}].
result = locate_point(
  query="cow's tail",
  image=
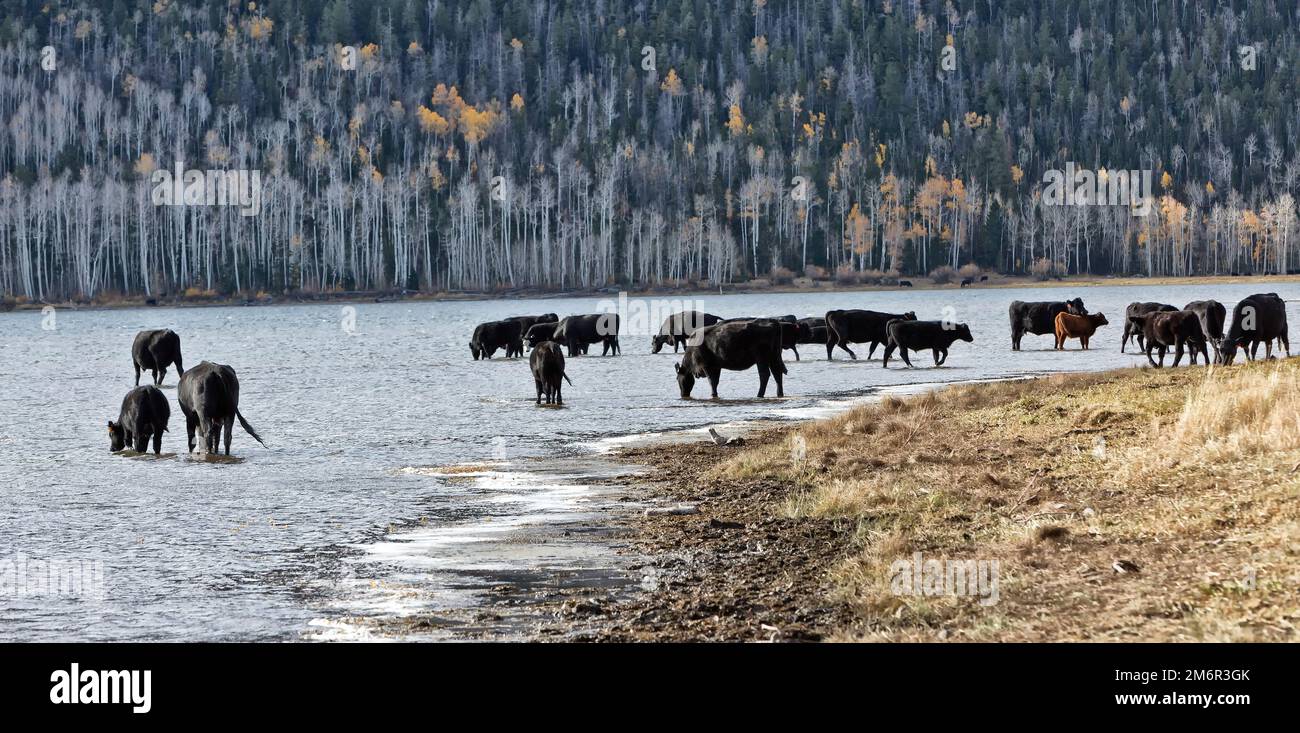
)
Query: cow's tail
[
  {"x": 566, "y": 378},
  {"x": 249, "y": 428}
]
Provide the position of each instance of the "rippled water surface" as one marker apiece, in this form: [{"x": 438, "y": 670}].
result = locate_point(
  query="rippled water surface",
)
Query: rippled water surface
[{"x": 351, "y": 494}]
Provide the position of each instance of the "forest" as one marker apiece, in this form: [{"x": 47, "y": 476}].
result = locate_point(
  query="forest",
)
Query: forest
[{"x": 481, "y": 145}]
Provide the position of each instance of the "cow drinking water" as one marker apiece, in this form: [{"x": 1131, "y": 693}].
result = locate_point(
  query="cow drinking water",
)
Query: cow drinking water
[
  {"x": 144, "y": 415},
  {"x": 678, "y": 327}
]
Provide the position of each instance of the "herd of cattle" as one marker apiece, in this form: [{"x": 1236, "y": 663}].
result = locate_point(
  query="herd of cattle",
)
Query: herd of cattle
[
  {"x": 208, "y": 395},
  {"x": 712, "y": 343}
]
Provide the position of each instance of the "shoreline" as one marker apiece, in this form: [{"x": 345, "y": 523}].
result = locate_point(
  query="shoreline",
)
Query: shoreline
[
  {"x": 1052, "y": 479},
  {"x": 10, "y": 305}
]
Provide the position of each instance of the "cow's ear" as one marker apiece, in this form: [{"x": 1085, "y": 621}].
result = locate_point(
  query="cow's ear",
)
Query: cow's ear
[{"x": 677, "y": 367}]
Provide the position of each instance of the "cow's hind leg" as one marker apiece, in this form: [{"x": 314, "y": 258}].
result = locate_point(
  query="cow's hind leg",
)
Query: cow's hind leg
[
  {"x": 157, "y": 441},
  {"x": 778, "y": 372},
  {"x": 191, "y": 424},
  {"x": 229, "y": 430},
  {"x": 902, "y": 351},
  {"x": 137, "y": 373},
  {"x": 141, "y": 442},
  {"x": 715, "y": 375},
  {"x": 538, "y": 383},
  {"x": 763, "y": 373}
]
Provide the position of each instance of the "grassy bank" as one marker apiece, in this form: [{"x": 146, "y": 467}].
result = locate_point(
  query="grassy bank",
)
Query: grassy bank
[{"x": 1138, "y": 504}]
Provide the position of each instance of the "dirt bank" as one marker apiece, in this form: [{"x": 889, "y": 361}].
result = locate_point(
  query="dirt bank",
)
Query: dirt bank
[{"x": 1141, "y": 504}]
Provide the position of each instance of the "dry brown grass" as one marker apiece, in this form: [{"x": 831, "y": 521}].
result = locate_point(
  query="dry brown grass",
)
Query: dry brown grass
[{"x": 1186, "y": 479}]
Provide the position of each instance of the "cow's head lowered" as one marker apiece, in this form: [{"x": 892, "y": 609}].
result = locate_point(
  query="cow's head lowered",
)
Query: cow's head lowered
[
  {"x": 116, "y": 437},
  {"x": 1228, "y": 349},
  {"x": 687, "y": 370}
]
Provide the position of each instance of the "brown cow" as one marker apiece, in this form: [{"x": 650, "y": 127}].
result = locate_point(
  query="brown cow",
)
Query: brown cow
[{"x": 1069, "y": 326}]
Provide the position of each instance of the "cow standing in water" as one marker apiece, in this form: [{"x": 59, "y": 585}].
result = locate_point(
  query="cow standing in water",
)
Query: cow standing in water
[
  {"x": 844, "y": 327},
  {"x": 1070, "y": 326},
  {"x": 737, "y": 346},
  {"x": 1039, "y": 318},
  {"x": 937, "y": 336},
  {"x": 678, "y": 327},
  {"x": 209, "y": 397},
  {"x": 144, "y": 415},
  {"x": 153, "y": 351},
  {"x": 547, "y": 364}
]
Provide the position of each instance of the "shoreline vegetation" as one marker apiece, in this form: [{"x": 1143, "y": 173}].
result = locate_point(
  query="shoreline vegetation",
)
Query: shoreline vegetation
[
  {"x": 1129, "y": 505},
  {"x": 199, "y": 299}
]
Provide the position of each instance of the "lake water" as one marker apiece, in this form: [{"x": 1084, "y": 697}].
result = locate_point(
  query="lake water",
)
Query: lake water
[{"x": 351, "y": 512}]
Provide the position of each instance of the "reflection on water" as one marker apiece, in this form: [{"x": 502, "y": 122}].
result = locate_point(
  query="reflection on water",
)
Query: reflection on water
[{"x": 363, "y": 417}]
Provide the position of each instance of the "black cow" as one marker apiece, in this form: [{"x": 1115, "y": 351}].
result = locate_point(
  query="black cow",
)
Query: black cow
[
  {"x": 1132, "y": 328},
  {"x": 540, "y": 332},
  {"x": 144, "y": 415},
  {"x": 154, "y": 350},
  {"x": 1039, "y": 318},
  {"x": 967, "y": 281},
  {"x": 1257, "y": 319},
  {"x": 209, "y": 397},
  {"x": 917, "y": 335},
  {"x": 737, "y": 345},
  {"x": 812, "y": 330},
  {"x": 791, "y": 331},
  {"x": 493, "y": 335},
  {"x": 547, "y": 364},
  {"x": 904, "y": 283},
  {"x": 578, "y": 332},
  {"x": 525, "y": 323},
  {"x": 1212, "y": 315},
  {"x": 983, "y": 278},
  {"x": 1177, "y": 329},
  {"x": 678, "y": 327},
  {"x": 859, "y": 327}
]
